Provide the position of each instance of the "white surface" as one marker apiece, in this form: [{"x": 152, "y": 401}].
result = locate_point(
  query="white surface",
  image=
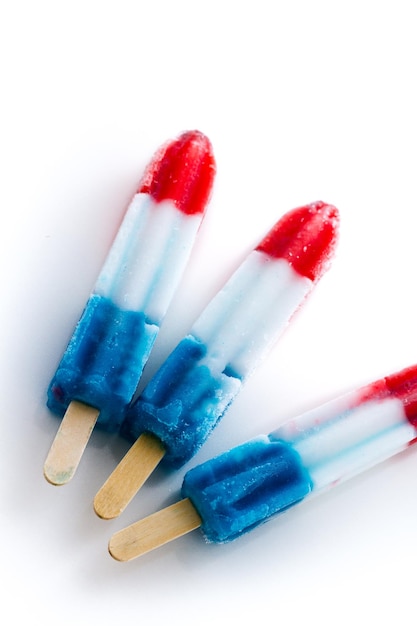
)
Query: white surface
[{"x": 302, "y": 101}]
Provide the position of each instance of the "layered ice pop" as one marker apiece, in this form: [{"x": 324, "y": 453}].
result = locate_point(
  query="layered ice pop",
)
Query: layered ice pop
[
  {"x": 192, "y": 390},
  {"x": 237, "y": 491},
  {"x": 100, "y": 369}
]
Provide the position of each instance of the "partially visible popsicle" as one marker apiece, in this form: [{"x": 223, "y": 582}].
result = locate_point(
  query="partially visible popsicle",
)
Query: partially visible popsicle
[
  {"x": 189, "y": 394},
  {"x": 101, "y": 367},
  {"x": 246, "y": 486}
]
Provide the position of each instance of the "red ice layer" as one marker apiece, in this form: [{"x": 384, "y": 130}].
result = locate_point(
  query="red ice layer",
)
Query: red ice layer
[
  {"x": 402, "y": 385},
  {"x": 183, "y": 171},
  {"x": 305, "y": 237}
]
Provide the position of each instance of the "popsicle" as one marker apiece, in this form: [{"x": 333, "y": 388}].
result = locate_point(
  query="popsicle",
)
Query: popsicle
[
  {"x": 101, "y": 367},
  {"x": 237, "y": 491},
  {"x": 192, "y": 390}
]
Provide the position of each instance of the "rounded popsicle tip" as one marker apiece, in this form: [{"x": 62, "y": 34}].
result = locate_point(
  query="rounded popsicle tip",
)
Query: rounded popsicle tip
[
  {"x": 183, "y": 171},
  {"x": 306, "y": 237}
]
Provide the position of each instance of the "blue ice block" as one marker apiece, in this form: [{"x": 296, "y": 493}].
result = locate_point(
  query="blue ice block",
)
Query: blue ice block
[
  {"x": 236, "y": 491},
  {"x": 103, "y": 361},
  {"x": 182, "y": 403}
]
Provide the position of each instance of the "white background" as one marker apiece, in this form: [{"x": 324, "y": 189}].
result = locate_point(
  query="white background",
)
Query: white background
[{"x": 302, "y": 101}]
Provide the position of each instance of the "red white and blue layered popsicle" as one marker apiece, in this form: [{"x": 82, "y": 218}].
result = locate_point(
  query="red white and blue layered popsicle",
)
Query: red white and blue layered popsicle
[
  {"x": 237, "y": 491},
  {"x": 103, "y": 362},
  {"x": 191, "y": 391}
]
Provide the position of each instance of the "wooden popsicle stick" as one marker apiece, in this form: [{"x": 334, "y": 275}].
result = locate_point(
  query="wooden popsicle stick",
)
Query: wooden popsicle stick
[
  {"x": 154, "y": 531},
  {"x": 128, "y": 477},
  {"x": 69, "y": 443}
]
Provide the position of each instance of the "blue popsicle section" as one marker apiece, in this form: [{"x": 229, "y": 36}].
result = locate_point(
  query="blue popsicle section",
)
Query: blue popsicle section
[
  {"x": 182, "y": 403},
  {"x": 103, "y": 361},
  {"x": 236, "y": 491}
]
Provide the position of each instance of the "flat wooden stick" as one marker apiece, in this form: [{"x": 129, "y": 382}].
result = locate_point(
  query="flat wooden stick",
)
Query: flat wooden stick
[
  {"x": 129, "y": 476},
  {"x": 154, "y": 531},
  {"x": 69, "y": 443}
]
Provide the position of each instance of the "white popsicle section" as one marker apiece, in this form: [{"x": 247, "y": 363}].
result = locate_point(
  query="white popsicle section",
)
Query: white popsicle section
[
  {"x": 260, "y": 298},
  {"x": 341, "y": 438},
  {"x": 133, "y": 276}
]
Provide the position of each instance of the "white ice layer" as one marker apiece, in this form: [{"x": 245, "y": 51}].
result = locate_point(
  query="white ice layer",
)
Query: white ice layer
[
  {"x": 250, "y": 312},
  {"x": 148, "y": 256},
  {"x": 338, "y": 440}
]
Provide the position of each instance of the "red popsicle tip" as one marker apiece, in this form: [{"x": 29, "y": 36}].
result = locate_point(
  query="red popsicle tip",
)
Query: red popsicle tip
[
  {"x": 183, "y": 171},
  {"x": 306, "y": 237},
  {"x": 401, "y": 385}
]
